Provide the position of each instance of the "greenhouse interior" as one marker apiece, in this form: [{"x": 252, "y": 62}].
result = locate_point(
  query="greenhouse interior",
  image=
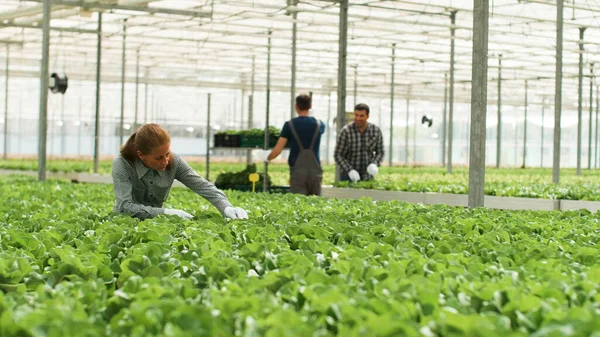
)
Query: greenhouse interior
[{"x": 153, "y": 182}]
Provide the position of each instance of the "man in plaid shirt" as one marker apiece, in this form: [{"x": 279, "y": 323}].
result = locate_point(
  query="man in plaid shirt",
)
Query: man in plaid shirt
[{"x": 359, "y": 147}]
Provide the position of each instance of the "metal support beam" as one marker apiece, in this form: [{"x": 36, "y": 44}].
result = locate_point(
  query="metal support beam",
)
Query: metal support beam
[
  {"x": 542, "y": 133},
  {"x": 44, "y": 77},
  {"x": 445, "y": 120},
  {"x": 19, "y": 124},
  {"x": 379, "y": 113},
  {"x": 56, "y": 29},
  {"x": 355, "y": 84},
  {"x": 467, "y": 140},
  {"x": 591, "y": 121},
  {"x": 293, "y": 86},
  {"x": 234, "y": 112},
  {"x": 50, "y": 137},
  {"x": 451, "y": 101},
  {"x": 558, "y": 91},
  {"x": 99, "y": 7},
  {"x": 137, "y": 91},
  {"x": 98, "y": 80},
  {"x": 525, "y": 130},
  {"x": 342, "y": 56},
  {"x": 268, "y": 111},
  {"x": 25, "y": 11},
  {"x": 478, "y": 104},
  {"x": 596, "y": 140},
  {"x": 393, "y": 82},
  {"x": 207, "y": 137},
  {"x": 62, "y": 125},
  {"x": 499, "y": 127},
  {"x": 251, "y": 98},
  {"x": 57, "y": 13},
  {"x": 580, "y": 101},
  {"x": 242, "y": 105},
  {"x": 516, "y": 150},
  {"x": 79, "y": 126},
  {"x": 152, "y": 106},
  {"x": 6, "y": 77},
  {"x": 123, "y": 66},
  {"x": 407, "y": 124},
  {"x": 251, "y": 106},
  {"x": 146, "y": 97},
  {"x": 328, "y": 127},
  {"x": 414, "y": 149}
]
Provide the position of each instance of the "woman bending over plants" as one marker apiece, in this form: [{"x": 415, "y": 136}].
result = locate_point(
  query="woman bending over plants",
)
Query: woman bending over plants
[{"x": 144, "y": 172}]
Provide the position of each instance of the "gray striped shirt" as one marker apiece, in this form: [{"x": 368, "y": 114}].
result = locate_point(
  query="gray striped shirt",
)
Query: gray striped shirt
[{"x": 141, "y": 191}]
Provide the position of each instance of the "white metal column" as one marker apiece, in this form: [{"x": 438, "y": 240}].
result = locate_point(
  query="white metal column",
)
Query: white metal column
[
  {"x": 207, "y": 136},
  {"x": 580, "y": 101},
  {"x": 558, "y": 91},
  {"x": 267, "y": 112},
  {"x": 294, "y": 41},
  {"x": 328, "y": 126},
  {"x": 590, "y": 121},
  {"x": 43, "y": 114},
  {"x": 596, "y": 140},
  {"x": 355, "y": 92},
  {"x": 542, "y": 133},
  {"x": 6, "y": 76},
  {"x": 407, "y": 124},
  {"x": 499, "y": 127},
  {"x": 478, "y": 104},
  {"x": 123, "y": 66},
  {"x": 445, "y": 120},
  {"x": 451, "y": 101},
  {"x": 251, "y": 106},
  {"x": 342, "y": 55},
  {"x": 98, "y": 79},
  {"x": 137, "y": 91},
  {"x": 392, "y": 103},
  {"x": 525, "y": 129}
]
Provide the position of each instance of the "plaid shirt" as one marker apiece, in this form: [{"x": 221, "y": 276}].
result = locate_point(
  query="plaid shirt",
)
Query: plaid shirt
[
  {"x": 141, "y": 191},
  {"x": 356, "y": 150}
]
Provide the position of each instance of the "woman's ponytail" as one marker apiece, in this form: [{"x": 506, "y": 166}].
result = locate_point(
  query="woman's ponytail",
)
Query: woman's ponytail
[{"x": 129, "y": 150}]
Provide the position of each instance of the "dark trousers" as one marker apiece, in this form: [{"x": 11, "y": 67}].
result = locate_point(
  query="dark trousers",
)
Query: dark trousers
[{"x": 307, "y": 182}]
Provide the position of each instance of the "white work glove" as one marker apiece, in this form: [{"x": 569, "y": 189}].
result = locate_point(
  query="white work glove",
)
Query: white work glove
[
  {"x": 372, "y": 169},
  {"x": 353, "y": 175},
  {"x": 179, "y": 213},
  {"x": 235, "y": 213},
  {"x": 266, "y": 155}
]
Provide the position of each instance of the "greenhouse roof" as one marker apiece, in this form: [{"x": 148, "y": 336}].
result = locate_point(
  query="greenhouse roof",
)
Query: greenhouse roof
[{"x": 212, "y": 43}]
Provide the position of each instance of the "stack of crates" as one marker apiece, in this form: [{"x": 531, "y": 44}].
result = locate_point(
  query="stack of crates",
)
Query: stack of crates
[{"x": 227, "y": 140}]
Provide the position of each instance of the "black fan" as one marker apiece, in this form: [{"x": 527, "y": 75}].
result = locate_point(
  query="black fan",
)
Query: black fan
[
  {"x": 58, "y": 83},
  {"x": 426, "y": 121}
]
